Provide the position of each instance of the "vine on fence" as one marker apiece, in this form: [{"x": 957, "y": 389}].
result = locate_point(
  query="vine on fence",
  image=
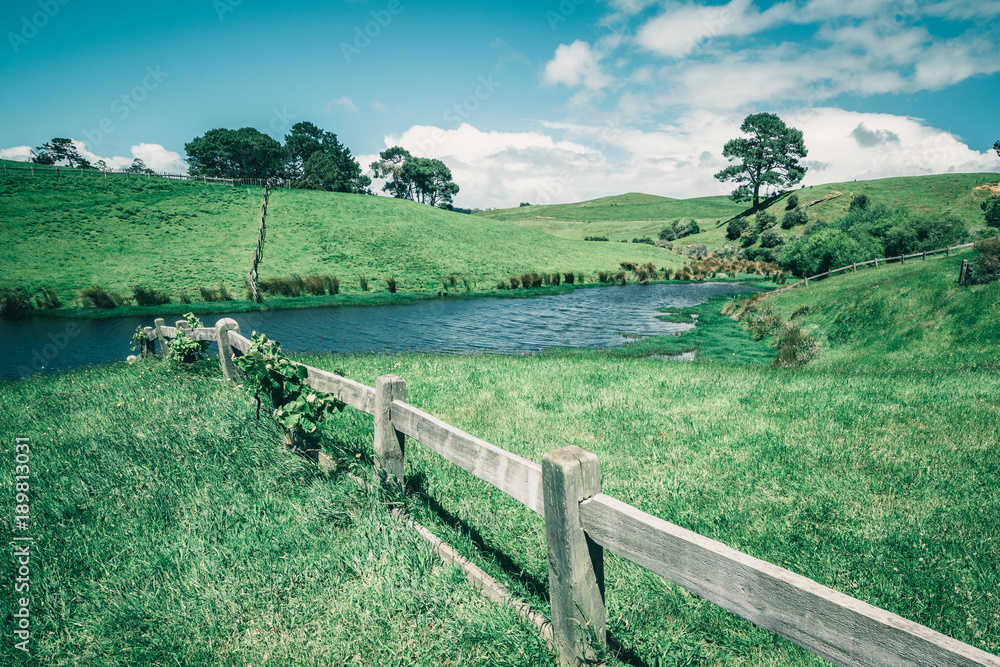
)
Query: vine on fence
[{"x": 298, "y": 407}]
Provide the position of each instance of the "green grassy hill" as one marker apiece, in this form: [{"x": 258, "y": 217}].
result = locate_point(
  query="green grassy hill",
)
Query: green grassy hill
[
  {"x": 636, "y": 215},
  {"x": 956, "y": 195},
  {"x": 907, "y": 317},
  {"x": 622, "y": 217},
  {"x": 83, "y": 229}
]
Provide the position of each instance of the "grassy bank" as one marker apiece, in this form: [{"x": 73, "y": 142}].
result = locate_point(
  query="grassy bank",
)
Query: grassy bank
[
  {"x": 75, "y": 231},
  {"x": 170, "y": 527}
]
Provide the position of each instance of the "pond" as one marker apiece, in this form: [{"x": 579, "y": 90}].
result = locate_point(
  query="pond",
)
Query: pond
[{"x": 596, "y": 317}]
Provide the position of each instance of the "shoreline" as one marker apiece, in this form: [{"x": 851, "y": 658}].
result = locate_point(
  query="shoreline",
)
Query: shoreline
[{"x": 350, "y": 300}]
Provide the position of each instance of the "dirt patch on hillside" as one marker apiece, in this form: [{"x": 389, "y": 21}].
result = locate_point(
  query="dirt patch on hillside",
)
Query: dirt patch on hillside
[{"x": 993, "y": 188}]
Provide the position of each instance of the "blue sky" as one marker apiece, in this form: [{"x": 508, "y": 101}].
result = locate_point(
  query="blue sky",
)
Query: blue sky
[{"x": 525, "y": 101}]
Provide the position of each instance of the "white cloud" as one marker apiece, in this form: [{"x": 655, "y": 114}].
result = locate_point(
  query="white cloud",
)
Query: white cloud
[
  {"x": 574, "y": 65},
  {"x": 19, "y": 153},
  {"x": 567, "y": 162},
  {"x": 155, "y": 156},
  {"x": 682, "y": 28},
  {"x": 345, "y": 102}
]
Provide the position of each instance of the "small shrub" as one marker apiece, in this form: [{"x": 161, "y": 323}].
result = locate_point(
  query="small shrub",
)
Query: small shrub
[
  {"x": 791, "y": 202},
  {"x": 764, "y": 220},
  {"x": 859, "y": 203},
  {"x": 603, "y": 277},
  {"x": 391, "y": 284},
  {"x": 991, "y": 209},
  {"x": 645, "y": 240},
  {"x": 148, "y": 296},
  {"x": 796, "y": 216},
  {"x": 667, "y": 234},
  {"x": 47, "y": 299},
  {"x": 771, "y": 238},
  {"x": 465, "y": 281},
  {"x": 580, "y": 278},
  {"x": 514, "y": 281},
  {"x": 332, "y": 284},
  {"x": 96, "y": 296},
  {"x": 502, "y": 285},
  {"x": 183, "y": 297},
  {"x": 314, "y": 285},
  {"x": 986, "y": 268},
  {"x": 748, "y": 237},
  {"x": 696, "y": 250},
  {"x": 568, "y": 278},
  {"x": 363, "y": 282},
  {"x": 186, "y": 350},
  {"x": 595, "y": 238},
  {"x": 735, "y": 228},
  {"x": 225, "y": 294},
  {"x": 14, "y": 302},
  {"x": 629, "y": 266},
  {"x": 208, "y": 294},
  {"x": 621, "y": 278},
  {"x": 795, "y": 347},
  {"x": 555, "y": 278}
]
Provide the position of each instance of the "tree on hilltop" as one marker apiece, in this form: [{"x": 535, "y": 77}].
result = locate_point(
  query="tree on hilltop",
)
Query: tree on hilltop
[
  {"x": 318, "y": 157},
  {"x": 769, "y": 156},
  {"x": 243, "y": 153},
  {"x": 426, "y": 180},
  {"x": 57, "y": 152}
]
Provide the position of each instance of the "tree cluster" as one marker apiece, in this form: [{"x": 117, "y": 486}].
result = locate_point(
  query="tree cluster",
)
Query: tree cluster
[
  {"x": 310, "y": 158},
  {"x": 425, "y": 180}
]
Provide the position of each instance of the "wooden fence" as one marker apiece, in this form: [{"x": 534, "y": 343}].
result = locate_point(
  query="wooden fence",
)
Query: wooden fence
[
  {"x": 581, "y": 522},
  {"x": 69, "y": 172},
  {"x": 923, "y": 255}
]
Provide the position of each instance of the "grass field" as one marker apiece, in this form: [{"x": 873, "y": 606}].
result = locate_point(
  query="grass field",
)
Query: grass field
[
  {"x": 637, "y": 215},
  {"x": 871, "y": 470},
  {"x": 82, "y": 229}
]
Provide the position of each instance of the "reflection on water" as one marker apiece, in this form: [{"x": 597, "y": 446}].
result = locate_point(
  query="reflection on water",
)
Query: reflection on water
[{"x": 582, "y": 318}]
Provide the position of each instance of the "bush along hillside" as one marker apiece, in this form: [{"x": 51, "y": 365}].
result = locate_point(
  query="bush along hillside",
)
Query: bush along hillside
[
  {"x": 925, "y": 201},
  {"x": 912, "y": 317}
]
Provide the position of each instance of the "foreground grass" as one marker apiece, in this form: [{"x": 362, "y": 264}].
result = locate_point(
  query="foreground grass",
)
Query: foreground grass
[
  {"x": 872, "y": 475},
  {"x": 74, "y": 231},
  {"x": 171, "y": 528}
]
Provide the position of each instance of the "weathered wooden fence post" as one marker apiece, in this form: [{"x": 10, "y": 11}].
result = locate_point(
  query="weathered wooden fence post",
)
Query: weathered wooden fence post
[
  {"x": 147, "y": 345},
  {"x": 388, "y": 441},
  {"x": 158, "y": 324},
  {"x": 576, "y": 564},
  {"x": 222, "y": 329},
  {"x": 182, "y": 324},
  {"x": 963, "y": 273},
  {"x": 924, "y": 256},
  {"x": 947, "y": 252}
]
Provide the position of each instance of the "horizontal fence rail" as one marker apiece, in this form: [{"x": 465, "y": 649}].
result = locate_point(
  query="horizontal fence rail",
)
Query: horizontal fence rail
[
  {"x": 581, "y": 522},
  {"x": 923, "y": 255}
]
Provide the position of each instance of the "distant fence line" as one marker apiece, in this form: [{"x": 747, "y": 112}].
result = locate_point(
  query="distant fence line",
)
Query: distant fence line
[
  {"x": 581, "y": 522},
  {"x": 923, "y": 255},
  {"x": 60, "y": 172}
]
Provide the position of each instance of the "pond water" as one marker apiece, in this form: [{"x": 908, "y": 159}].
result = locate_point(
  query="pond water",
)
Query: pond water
[{"x": 594, "y": 317}]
